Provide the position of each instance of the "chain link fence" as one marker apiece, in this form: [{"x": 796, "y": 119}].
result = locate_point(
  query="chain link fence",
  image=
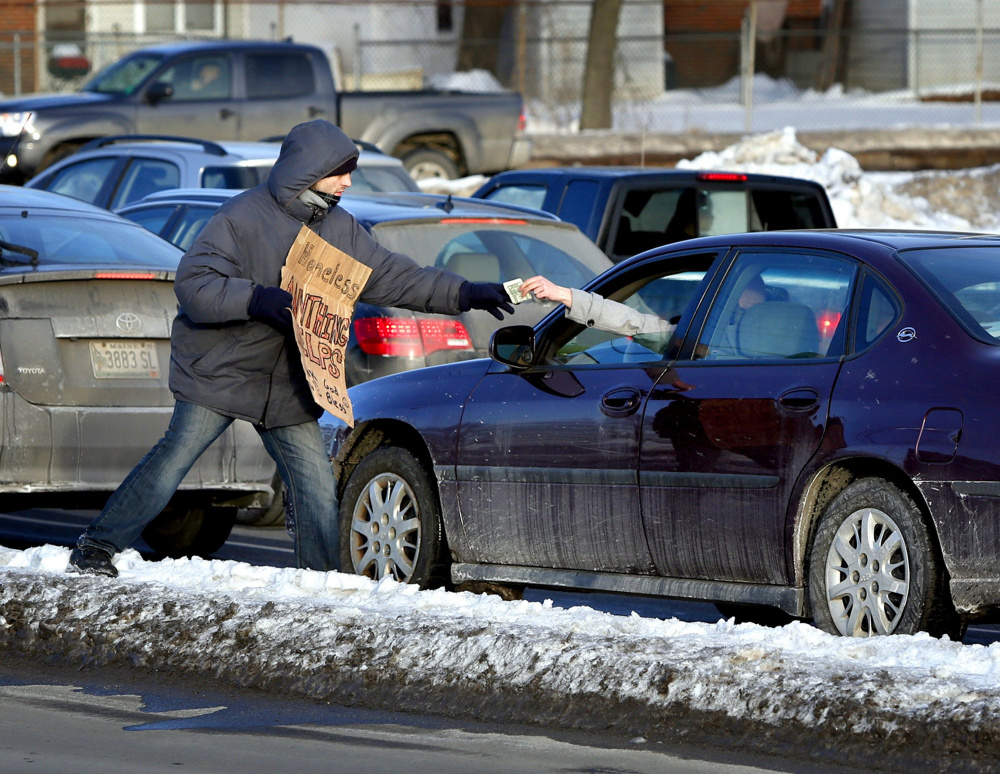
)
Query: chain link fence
[{"x": 813, "y": 78}]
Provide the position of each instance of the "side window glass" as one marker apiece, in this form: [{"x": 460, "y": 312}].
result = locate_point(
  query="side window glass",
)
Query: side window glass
[
  {"x": 878, "y": 309},
  {"x": 275, "y": 76},
  {"x": 152, "y": 218},
  {"x": 199, "y": 78},
  {"x": 190, "y": 224},
  {"x": 523, "y": 195},
  {"x": 780, "y": 306},
  {"x": 82, "y": 181},
  {"x": 143, "y": 177},
  {"x": 645, "y": 299}
]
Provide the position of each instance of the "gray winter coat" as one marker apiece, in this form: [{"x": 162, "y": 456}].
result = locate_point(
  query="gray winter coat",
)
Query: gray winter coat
[{"x": 246, "y": 369}]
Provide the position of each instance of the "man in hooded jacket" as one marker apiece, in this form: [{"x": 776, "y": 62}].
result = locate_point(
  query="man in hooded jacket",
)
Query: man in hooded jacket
[{"x": 233, "y": 355}]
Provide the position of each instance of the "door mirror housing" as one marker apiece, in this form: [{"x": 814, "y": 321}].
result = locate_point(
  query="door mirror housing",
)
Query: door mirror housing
[
  {"x": 158, "y": 92},
  {"x": 514, "y": 345}
]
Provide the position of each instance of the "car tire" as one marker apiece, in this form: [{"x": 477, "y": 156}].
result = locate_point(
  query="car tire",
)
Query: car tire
[
  {"x": 427, "y": 164},
  {"x": 874, "y": 568},
  {"x": 189, "y": 532},
  {"x": 390, "y": 521}
]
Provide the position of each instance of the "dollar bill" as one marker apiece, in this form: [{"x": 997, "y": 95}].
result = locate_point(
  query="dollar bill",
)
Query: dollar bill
[{"x": 513, "y": 288}]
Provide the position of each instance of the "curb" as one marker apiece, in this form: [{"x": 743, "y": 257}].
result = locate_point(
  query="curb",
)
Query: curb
[{"x": 688, "y": 689}]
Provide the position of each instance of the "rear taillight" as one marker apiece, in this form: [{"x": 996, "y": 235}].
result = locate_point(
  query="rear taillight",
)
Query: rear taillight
[
  {"x": 128, "y": 275},
  {"x": 406, "y": 337},
  {"x": 1, "y": 369},
  {"x": 728, "y": 177},
  {"x": 522, "y": 122}
]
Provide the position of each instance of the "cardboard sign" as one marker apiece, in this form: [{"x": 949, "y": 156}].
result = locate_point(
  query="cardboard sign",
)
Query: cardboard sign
[{"x": 325, "y": 284}]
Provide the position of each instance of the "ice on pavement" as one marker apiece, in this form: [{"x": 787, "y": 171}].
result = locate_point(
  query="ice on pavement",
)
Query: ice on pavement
[{"x": 736, "y": 669}]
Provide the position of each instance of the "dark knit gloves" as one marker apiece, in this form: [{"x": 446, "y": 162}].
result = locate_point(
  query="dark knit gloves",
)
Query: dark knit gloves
[
  {"x": 488, "y": 296},
  {"x": 272, "y": 306}
]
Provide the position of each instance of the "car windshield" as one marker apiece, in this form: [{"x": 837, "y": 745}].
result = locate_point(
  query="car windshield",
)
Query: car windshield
[
  {"x": 496, "y": 250},
  {"x": 124, "y": 76},
  {"x": 967, "y": 281},
  {"x": 75, "y": 240}
]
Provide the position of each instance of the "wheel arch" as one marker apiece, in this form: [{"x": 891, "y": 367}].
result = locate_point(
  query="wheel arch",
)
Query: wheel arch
[
  {"x": 829, "y": 481},
  {"x": 368, "y": 436}
]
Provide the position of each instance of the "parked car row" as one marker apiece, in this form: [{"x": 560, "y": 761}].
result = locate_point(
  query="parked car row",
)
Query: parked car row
[
  {"x": 119, "y": 170},
  {"x": 823, "y": 452}
]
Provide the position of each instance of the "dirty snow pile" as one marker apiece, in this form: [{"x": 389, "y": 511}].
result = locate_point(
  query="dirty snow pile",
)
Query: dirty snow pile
[{"x": 315, "y": 632}]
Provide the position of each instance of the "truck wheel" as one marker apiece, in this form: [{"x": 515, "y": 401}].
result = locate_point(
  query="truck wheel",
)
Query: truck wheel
[
  {"x": 189, "y": 532},
  {"x": 390, "y": 521},
  {"x": 874, "y": 568},
  {"x": 271, "y": 516},
  {"x": 58, "y": 153},
  {"x": 424, "y": 164}
]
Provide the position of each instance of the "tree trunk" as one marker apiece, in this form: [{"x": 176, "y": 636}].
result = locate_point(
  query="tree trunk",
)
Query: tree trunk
[
  {"x": 599, "y": 71},
  {"x": 479, "y": 45}
]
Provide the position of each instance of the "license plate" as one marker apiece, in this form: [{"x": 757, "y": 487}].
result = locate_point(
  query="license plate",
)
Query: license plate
[{"x": 124, "y": 360}]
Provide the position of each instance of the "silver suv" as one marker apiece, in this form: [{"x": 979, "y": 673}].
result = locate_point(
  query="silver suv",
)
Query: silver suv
[{"x": 112, "y": 172}]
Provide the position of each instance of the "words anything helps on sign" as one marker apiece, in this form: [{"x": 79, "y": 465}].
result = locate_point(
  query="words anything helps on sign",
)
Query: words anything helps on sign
[{"x": 325, "y": 284}]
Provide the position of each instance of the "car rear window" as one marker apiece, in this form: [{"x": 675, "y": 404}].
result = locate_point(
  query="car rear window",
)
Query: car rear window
[
  {"x": 967, "y": 282},
  {"x": 496, "y": 250},
  {"x": 72, "y": 240}
]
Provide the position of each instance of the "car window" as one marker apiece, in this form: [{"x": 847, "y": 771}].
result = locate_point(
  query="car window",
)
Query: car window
[
  {"x": 522, "y": 194},
  {"x": 782, "y": 210},
  {"x": 82, "y": 241},
  {"x": 142, "y": 177},
  {"x": 966, "y": 280},
  {"x": 276, "y": 76},
  {"x": 877, "y": 310},
  {"x": 665, "y": 289},
  {"x": 123, "y": 76},
  {"x": 82, "y": 180},
  {"x": 204, "y": 77},
  {"x": 190, "y": 223},
  {"x": 232, "y": 177},
  {"x": 499, "y": 249},
  {"x": 381, "y": 179},
  {"x": 780, "y": 305},
  {"x": 152, "y": 218},
  {"x": 651, "y": 217}
]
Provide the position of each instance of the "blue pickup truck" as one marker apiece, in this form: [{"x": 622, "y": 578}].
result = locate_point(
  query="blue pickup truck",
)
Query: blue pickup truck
[{"x": 626, "y": 210}]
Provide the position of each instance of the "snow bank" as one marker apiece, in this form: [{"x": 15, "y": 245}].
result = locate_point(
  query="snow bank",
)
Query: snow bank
[{"x": 344, "y": 638}]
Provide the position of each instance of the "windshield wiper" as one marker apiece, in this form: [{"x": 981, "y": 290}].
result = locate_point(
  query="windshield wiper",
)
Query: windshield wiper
[{"x": 21, "y": 250}]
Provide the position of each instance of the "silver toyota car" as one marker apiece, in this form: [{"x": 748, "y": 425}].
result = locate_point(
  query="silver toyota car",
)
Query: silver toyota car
[{"x": 86, "y": 304}]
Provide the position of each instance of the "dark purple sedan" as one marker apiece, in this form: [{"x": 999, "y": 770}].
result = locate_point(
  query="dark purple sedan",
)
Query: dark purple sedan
[{"x": 819, "y": 439}]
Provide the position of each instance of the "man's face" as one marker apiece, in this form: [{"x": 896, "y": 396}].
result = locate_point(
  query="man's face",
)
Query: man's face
[{"x": 334, "y": 185}]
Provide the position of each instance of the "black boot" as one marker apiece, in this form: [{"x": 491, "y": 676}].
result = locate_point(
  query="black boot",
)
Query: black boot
[{"x": 87, "y": 560}]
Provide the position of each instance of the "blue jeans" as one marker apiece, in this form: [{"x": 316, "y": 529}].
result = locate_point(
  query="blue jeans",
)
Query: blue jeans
[{"x": 303, "y": 465}]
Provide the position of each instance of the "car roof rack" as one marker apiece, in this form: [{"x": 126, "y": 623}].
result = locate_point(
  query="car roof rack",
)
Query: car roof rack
[{"x": 206, "y": 145}]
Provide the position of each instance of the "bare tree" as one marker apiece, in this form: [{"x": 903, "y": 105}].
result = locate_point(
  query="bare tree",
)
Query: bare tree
[{"x": 599, "y": 71}]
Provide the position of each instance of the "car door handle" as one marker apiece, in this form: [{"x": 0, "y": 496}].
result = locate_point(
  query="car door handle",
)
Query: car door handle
[
  {"x": 315, "y": 111},
  {"x": 226, "y": 113},
  {"x": 621, "y": 402},
  {"x": 800, "y": 400}
]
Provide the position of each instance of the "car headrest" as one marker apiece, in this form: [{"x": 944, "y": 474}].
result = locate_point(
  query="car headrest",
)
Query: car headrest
[
  {"x": 777, "y": 329},
  {"x": 477, "y": 267}
]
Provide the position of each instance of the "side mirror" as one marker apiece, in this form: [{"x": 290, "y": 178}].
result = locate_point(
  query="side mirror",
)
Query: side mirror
[
  {"x": 513, "y": 346},
  {"x": 158, "y": 92}
]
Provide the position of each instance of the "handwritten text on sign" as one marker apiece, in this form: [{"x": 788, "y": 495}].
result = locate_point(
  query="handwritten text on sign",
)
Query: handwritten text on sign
[{"x": 325, "y": 284}]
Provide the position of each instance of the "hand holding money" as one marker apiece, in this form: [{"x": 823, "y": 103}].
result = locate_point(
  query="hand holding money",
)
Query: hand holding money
[{"x": 546, "y": 290}]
